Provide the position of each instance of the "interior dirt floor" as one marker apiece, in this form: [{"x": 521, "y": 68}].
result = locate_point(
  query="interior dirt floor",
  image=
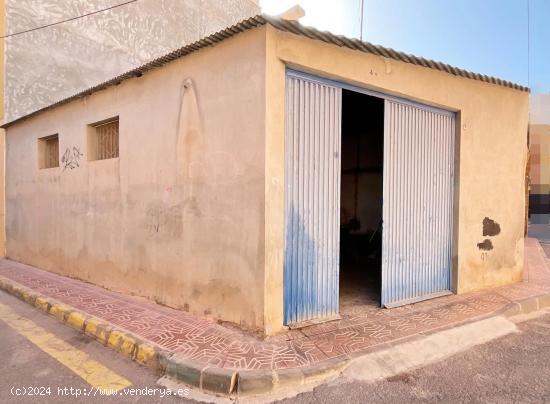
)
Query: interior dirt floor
[{"x": 359, "y": 288}]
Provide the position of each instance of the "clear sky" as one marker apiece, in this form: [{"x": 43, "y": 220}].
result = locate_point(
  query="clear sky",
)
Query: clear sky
[{"x": 485, "y": 36}]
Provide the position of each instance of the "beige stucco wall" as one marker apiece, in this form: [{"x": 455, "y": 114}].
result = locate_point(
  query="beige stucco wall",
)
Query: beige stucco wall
[
  {"x": 178, "y": 217},
  {"x": 491, "y": 156}
]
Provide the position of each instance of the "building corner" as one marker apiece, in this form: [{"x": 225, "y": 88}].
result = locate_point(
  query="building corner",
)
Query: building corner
[{"x": 274, "y": 186}]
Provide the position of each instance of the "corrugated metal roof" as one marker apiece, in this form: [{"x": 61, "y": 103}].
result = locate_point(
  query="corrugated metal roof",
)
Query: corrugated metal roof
[{"x": 286, "y": 26}]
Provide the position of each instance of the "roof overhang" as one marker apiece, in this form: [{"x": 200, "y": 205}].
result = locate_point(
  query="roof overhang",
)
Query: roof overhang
[{"x": 291, "y": 26}]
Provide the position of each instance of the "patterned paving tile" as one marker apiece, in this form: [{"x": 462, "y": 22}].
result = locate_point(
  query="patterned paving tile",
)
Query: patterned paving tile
[
  {"x": 308, "y": 350},
  {"x": 206, "y": 347},
  {"x": 248, "y": 355},
  {"x": 205, "y": 341}
]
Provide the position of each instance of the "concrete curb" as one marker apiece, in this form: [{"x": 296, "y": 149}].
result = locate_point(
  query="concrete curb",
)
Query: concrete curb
[
  {"x": 120, "y": 340},
  {"x": 211, "y": 379},
  {"x": 526, "y": 306},
  {"x": 206, "y": 378}
]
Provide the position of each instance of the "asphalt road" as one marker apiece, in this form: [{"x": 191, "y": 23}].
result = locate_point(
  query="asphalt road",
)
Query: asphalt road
[
  {"x": 511, "y": 369},
  {"x": 24, "y": 365},
  {"x": 514, "y": 368}
]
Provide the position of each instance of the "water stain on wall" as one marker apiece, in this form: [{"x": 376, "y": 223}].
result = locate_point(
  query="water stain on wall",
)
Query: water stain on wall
[{"x": 189, "y": 125}]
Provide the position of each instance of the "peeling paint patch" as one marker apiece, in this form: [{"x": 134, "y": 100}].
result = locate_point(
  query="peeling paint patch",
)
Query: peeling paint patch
[
  {"x": 485, "y": 245},
  {"x": 490, "y": 228}
]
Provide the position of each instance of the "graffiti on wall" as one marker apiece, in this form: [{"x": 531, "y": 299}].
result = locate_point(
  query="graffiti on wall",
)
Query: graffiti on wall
[
  {"x": 164, "y": 219},
  {"x": 71, "y": 158}
]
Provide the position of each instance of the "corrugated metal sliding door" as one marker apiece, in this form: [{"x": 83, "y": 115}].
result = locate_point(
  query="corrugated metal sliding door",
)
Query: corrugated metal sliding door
[
  {"x": 312, "y": 200},
  {"x": 418, "y": 203}
]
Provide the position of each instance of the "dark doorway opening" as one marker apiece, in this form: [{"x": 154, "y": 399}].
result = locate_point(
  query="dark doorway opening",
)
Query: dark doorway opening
[{"x": 361, "y": 201}]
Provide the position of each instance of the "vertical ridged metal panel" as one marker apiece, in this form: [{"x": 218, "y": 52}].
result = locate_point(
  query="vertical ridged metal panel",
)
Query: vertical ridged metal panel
[
  {"x": 418, "y": 203},
  {"x": 312, "y": 200}
]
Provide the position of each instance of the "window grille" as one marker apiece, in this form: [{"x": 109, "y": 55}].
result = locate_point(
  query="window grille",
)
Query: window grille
[
  {"x": 48, "y": 148},
  {"x": 107, "y": 141}
]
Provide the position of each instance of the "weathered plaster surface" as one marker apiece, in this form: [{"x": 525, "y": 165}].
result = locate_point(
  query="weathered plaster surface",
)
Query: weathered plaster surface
[
  {"x": 50, "y": 64},
  {"x": 179, "y": 216},
  {"x": 491, "y": 157}
]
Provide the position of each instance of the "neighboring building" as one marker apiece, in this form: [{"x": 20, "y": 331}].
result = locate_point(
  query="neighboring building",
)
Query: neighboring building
[
  {"x": 539, "y": 162},
  {"x": 53, "y": 63},
  {"x": 247, "y": 176},
  {"x": 539, "y": 109},
  {"x": 2, "y": 132}
]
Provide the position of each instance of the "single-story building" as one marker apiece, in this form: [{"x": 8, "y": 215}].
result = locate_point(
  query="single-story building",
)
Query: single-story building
[{"x": 271, "y": 173}]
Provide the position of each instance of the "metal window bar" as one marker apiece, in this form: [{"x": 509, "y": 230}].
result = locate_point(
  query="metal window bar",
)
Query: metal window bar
[
  {"x": 51, "y": 152},
  {"x": 107, "y": 140}
]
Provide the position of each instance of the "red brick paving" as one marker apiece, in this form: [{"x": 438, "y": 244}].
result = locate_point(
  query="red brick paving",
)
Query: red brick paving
[{"x": 206, "y": 341}]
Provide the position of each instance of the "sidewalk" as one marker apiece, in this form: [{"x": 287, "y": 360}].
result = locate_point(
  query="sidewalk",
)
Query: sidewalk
[{"x": 218, "y": 359}]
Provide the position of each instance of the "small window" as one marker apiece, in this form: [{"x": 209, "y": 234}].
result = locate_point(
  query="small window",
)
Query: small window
[
  {"x": 103, "y": 140},
  {"x": 48, "y": 152}
]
